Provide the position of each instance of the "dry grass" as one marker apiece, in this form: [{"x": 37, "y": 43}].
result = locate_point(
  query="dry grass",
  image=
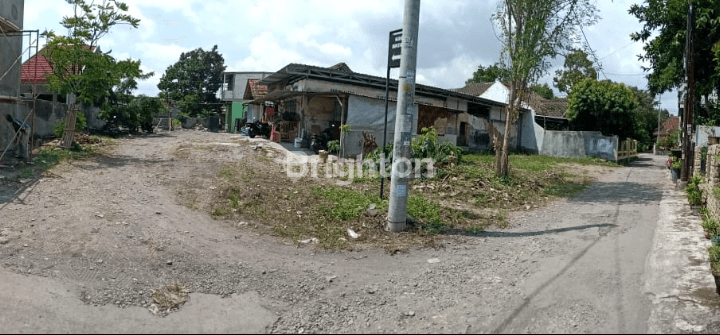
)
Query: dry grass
[
  {"x": 468, "y": 199},
  {"x": 170, "y": 297}
]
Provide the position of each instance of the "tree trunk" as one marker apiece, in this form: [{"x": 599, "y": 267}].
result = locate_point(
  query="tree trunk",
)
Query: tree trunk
[
  {"x": 69, "y": 132},
  {"x": 501, "y": 156}
]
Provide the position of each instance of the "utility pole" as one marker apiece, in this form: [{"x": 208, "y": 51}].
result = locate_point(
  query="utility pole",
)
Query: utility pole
[
  {"x": 404, "y": 118},
  {"x": 688, "y": 150}
]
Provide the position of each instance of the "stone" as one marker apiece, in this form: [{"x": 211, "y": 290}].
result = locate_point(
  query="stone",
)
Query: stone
[
  {"x": 169, "y": 263},
  {"x": 433, "y": 260},
  {"x": 371, "y": 212},
  {"x": 4, "y": 240},
  {"x": 330, "y": 279}
]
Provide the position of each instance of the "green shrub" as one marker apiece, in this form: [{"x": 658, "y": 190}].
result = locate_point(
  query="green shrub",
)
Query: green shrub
[
  {"x": 677, "y": 164},
  {"x": 710, "y": 225},
  {"x": 694, "y": 193},
  {"x": 714, "y": 252},
  {"x": 333, "y": 146},
  {"x": 80, "y": 125}
]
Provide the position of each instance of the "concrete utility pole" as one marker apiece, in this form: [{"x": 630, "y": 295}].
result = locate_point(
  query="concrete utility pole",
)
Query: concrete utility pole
[
  {"x": 404, "y": 118},
  {"x": 688, "y": 115}
]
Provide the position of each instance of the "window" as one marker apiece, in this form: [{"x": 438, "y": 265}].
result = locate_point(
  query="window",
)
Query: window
[{"x": 229, "y": 83}]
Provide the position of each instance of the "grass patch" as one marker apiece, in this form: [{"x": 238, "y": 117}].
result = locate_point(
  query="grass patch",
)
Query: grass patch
[
  {"x": 348, "y": 203},
  {"x": 567, "y": 189},
  {"x": 26, "y": 173}
]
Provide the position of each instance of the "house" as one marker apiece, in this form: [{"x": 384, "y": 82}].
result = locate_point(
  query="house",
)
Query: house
[
  {"x": 232, "y": 95},
  {"x": 50, "y": 107},
  {"x": 304, "y": 100},
  {"x": 536, "y": 115}
]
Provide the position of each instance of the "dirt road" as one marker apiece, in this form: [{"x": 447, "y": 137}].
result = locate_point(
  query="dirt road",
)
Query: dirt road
[{"x": 83, "y": 251}]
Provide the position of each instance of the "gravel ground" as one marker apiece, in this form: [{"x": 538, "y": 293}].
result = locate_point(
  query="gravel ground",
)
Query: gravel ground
[{"x": 113, "y": 229}]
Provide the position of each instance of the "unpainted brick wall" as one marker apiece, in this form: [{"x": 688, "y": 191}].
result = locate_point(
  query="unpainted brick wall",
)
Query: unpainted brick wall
[{"x": 712, "y": 178}]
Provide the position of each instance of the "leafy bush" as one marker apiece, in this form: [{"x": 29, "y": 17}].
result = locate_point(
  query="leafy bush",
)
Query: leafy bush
[
  {"x": 333, "y": 146},
  {"x": 694, "y": 193},
  {"x": 426, "y": 145},
  {"x": 710, "y": 225},
  {"x": 714, "y": 252},
  {"x": 676, "y": 164},
  {"x": 80, "y": 125}
]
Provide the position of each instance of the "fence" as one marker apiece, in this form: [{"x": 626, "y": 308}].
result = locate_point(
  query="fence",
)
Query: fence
[{"x": 628, "y": 149}]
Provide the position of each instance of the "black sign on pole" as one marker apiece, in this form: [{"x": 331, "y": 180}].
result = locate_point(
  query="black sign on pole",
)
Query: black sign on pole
[
  {"x": 394, "y": 51},
  {"x": 395, "y": 48}
]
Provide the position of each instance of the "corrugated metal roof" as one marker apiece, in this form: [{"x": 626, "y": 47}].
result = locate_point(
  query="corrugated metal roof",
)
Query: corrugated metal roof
[{"x": 294, "y": 72}]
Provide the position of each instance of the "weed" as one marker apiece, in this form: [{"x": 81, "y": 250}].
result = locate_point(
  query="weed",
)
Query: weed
[
  {"x": 26, "y": 173},
  {"x": 348, "y": 203},
  {"x": 566, "y": 189},
  {"x": 420, "y": 208}
]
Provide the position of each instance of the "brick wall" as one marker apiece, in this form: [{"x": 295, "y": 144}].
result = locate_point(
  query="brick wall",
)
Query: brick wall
[{"x": 712, "y": 178}]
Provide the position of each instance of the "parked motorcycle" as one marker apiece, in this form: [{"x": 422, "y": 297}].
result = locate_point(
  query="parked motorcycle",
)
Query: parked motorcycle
[
  {"x": 258, "y": 128},
  {"x": 320, "y": 141}
]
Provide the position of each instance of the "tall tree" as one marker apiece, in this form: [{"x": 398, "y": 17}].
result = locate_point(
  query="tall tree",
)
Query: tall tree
[
  {"x": 663, "y": 33},
  {"x": 489, "y": 74},
  {"x": 576, "y": 68},
  {"x": 532, "y": 32},
  {"x": 78, "y": 69},
  {"x": 647, "y": 114},
  {"x": 194, "y": 80},
  {"x": 603, "y": 106},
  {"x": 543, "y": 90}
]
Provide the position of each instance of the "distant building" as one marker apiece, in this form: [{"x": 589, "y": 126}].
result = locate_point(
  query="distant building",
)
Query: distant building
[{"x": 233, "y": 92}]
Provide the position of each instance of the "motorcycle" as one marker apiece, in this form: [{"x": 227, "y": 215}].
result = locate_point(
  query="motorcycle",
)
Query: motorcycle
[
  {"x": 320, "y": 141},
  {"x": 258, "y": 128}
]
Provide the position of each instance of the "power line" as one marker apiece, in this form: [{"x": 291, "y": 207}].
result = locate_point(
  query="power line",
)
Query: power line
[
  {"x": 612, "y": 53},
  {"x": 592, "y": 52}
]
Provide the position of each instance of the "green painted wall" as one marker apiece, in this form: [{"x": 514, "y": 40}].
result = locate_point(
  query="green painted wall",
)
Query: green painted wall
[{"x": 236, "y": 110}]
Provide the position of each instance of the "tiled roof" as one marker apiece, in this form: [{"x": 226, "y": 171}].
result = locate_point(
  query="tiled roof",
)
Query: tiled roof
[
  {"x": 552, "y": 108},
  {"x": 35, "y": 69},
  {"x": 475, "y": 89}
]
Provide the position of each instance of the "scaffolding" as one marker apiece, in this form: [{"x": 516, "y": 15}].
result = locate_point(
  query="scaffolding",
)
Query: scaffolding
[{"x": 9, "y": 33}]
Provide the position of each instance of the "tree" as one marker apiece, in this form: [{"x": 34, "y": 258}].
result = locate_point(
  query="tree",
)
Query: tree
[
  {"x": 122, "y": 109},
  {"x": 533, "y": 31},
  {"x": 577, "y": 67},
  {"x": 646, "y": 113},
  {"x": 489, "y": 74},
  {"x": 77, "y": 68},
  {"x": 603, "y": 106},
  {"x": 664, "y": 32},
  {"x": 543, "y": 90},
  {"x": 194, "y": 81}
]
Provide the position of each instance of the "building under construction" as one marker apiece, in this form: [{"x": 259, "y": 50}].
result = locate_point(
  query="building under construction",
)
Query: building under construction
[{"x": 16, "y": 109}]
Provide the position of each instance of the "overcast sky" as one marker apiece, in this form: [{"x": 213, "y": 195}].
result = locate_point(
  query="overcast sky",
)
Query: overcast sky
[{"x": 264, "y": 35}]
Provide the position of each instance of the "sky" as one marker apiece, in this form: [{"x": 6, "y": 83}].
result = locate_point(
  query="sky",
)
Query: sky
[{"x": 455, "y": 36}]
